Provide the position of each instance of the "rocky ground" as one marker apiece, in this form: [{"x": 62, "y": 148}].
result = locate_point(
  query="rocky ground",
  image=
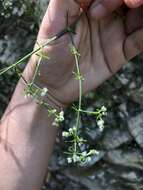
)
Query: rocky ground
[{"x": 119, "y": 166}]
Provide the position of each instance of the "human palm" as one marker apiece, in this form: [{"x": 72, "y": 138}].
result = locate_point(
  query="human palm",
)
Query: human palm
[{"x": 105, "y": 46}]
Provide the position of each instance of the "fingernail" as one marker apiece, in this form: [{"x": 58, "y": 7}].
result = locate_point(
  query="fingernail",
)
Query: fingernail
[
  {"x": 99, "y": 11},
  {"x": 138, "y": 2},
  {"x": 134, "y": 3}
]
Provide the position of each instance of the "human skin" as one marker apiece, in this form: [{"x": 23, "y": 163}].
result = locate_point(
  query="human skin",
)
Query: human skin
[
  {"x": 102, "y": 8},
  {"x": 105, "y": 45}
]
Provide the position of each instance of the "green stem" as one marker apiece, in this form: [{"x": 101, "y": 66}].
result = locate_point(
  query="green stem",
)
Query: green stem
[
  {"x": 76, "y": 56},
  {"x": 80, "y": 92},
  {"x": 90, "y": 112},
  {"x": 98, "y": 112},
  {"x": 36, "y": 70},
  {"x": 27, "y": 56},
  {"x": 49, "y": 41}
]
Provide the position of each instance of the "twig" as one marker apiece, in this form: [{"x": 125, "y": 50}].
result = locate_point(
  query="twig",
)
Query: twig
[{"x": 49, "y": 41}]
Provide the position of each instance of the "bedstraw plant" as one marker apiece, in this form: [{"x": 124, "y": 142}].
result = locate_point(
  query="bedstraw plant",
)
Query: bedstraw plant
[{"x": 74, "y": 153}]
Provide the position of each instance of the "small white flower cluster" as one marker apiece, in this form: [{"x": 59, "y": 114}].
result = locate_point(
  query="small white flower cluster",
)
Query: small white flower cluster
[
  {"x": 34, "y": 92},
  {"x": 28, "y": 95},
  {"x": 28, "y": 92},
  {"x": 104, "y": 110},
  {"x": 69, "y": 133},
  {"x": 65, "y": 134},
  {"x": 82, "y": 158},
  {"x": 59, "y": 118},
  {"x": 44, "y": 92},
  {"x": 72, "y": 132},
  {"x": 93, "y": 152},
  {"x": 52, "y": 111},
  {"x": 76, "y": 156},
  {"x": 100, "y": 124},
  {"x": 74, "y": 50},
  {"x": 100, "y": 121}
]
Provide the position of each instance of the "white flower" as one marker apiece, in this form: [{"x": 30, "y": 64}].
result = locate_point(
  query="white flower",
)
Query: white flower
[
  {"x": 71, "y": 130},
  {"x": 75, "y": 158},
  {"x": 44, "y": 92},
  {"x": 74, "y": 128},
  {"x": 93, "y": 152},
  {"x": 53, "y": 111},
  {"x": 69, "y": 160},
  {"x": 101, "y": 128},
  {"x": 84, "y": 153},
  {"x": 80, "y": 143},
  {"x": 65, "y": 134},
  {"x": 100, "y": 124},
  {"x": 61, "y": 116},
  {"x": 28, "y": 95},
  {"x": 55, "y": 124},
  {"x": 104, "y": 109}
]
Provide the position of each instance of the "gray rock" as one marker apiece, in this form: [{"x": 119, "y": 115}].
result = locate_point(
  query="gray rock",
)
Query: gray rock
[
  {"x": 128, "y": 158},
  {"x": 77, "y": 176},
  {"x": 135, "y": 126},
  {"x": 137, "y": 95},
  {"x": 130, "y": 176},
  {"x": 41, "y": 9},
  {"x": 115, "y": 138},
  {"x": 122, "y": 78}
]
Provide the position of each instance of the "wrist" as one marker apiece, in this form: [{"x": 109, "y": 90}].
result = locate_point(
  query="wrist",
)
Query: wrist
[
  {"x": 33, "y": 109},
  {"x": 38, "y": 91},
  {"x": 53, "y": 92}
]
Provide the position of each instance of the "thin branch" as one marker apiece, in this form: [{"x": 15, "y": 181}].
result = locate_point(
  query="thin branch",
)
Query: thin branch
[{"x": 49, "y": 41}]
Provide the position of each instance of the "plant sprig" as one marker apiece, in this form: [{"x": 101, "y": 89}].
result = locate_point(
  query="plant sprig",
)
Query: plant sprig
[
  {"x": 48, "y": 42},
  {"x": 75, "y": 154},
  {"x": 32, "y": 90}
]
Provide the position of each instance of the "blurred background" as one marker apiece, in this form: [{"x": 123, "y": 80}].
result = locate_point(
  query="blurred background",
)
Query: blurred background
[{"x": 119, "y": 165}]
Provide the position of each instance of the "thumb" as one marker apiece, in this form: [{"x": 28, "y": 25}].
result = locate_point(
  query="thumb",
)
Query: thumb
[
  {"x": 55, "y": 19},
  {"x": 134, "y": 44},
  {"x": 134, "y": 3}
]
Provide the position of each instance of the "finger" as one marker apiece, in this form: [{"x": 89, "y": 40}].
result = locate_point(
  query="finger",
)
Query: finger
[
  {"x": 84, "y": 4},
  {"x": 134, "y": 44},
  {"x": 134, "y": 3},
  {"x": 102, "y": 8},
  {"x": 132, "y": 16},
  {"x": 55, "y": 19}
]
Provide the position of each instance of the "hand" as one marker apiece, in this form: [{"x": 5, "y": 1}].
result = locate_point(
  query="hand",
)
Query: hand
[
  {"x": 105, "y": 46},
  {"x": 134, "y": 3},
  {"x": 102, "y": 8}
]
